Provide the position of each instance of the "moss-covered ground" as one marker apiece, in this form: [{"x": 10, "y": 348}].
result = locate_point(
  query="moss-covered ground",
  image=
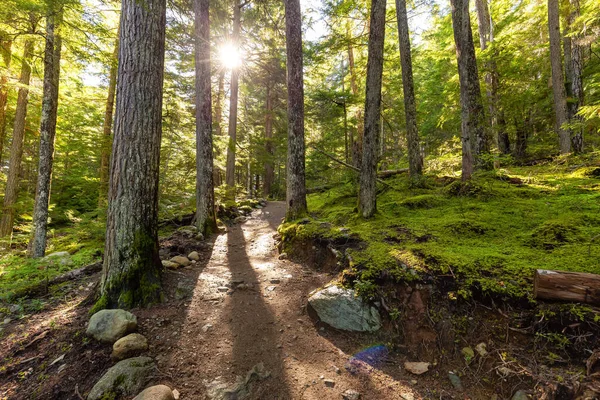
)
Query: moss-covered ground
[{"x": 487, "y": 236}]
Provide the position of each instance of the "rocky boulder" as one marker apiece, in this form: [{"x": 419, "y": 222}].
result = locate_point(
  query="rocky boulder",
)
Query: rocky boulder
[
  {"x": 110, "y": 325},
  {"x": 125, "y": 379},
  {"x": 129, "y": 346},
  {"x": 59, "y": 258},
  {"x": 158, "y": 392},
  {"x": 181, "y": 260},
  {"x": 343, "y": 309}
]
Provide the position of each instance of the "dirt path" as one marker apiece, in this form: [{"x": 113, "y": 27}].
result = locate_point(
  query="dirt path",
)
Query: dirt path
[{"x": 221, "y": 335}]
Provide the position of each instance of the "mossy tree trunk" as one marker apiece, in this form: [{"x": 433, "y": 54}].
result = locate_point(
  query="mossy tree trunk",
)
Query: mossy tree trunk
[
  {"x": 296, "y": 185},
  {"x": 415, "y": 162},
  {"x": 574, "y": 76},
  {"x": 37, "y": 246},
  {"x": 355, "y": 139},
  {"x": 269, "y": 171},
  {"x": 473, "y": 136},
  {"x": 367, "y": 199},
  {"x": 233, "y": 103},
  {"x": 205, "y": 198},
  {"x": 6, "y": 54},
  {"x": 16, "y": 148},
  {"x": 132, "y": 269}
]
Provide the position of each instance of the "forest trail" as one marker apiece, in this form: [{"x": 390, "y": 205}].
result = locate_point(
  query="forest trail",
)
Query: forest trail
[{"x": 224, "y": 334}]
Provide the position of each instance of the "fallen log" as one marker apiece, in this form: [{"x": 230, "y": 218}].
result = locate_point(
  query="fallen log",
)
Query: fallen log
[
  {"x": 568, "y": 286},
  {"x": 391, "y": 172}
]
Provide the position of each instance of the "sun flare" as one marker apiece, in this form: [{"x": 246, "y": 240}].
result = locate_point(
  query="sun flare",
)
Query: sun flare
[{"x": 230, "y": 56}]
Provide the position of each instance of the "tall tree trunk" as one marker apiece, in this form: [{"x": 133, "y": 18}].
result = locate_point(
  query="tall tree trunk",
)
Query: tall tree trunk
[
  {"x": 16, "y": 148},
  {"x": 132, "y": 267},
  {"x": 574, "y": 71},
  {"x": 355, "y": 140},
  {"x": 269, "y": 171},
  {"x": 486, "y": 36},
  {"x": 415, "y": 163},
  {"x": 296, "y": 185},
  {"x": 558, "y": 86},
  {"x": 233, "y": 101},
  {"x": 217, "y": 120},
  {"x": 474, "y": 140},
  {"x": 37, "y": 246},
  {"x": 5, "y": 52},
  {"x": 106, "y": 139},
  {"x": 367, "y": 200},
  {"x": 205, "y": 197}
]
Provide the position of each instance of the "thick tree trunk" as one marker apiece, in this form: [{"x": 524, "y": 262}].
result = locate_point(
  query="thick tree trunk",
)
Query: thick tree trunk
[
  {"x": 233, "y": 101},
  {"x": 558, "y": 85},
  {"x": 474, "y": 139},
  {"x": 132, "y": 267},
  {"x": 569, "y": 286},
  {"x": 205, "y": 197},
  {"x": 269, "y": 171},
  {"x": 367, "y": 199},
  {"x": 16, "y": 148},
  {"x": 574, "y": 74},
  {"x": 415, "y": 162},
  {"x": 486, "y": 36},
  {"x": 106, "y": 139},
  {"x": 217, "y": 120},
  {"x": 5, "y": 52},
  {"x": 355, "y": 140},
  {"x": 37, "y": 246},
  {"x": 296, "y": 185}
]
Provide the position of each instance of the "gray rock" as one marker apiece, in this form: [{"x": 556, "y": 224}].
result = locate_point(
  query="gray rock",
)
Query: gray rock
[
  {"x": 194, "y": 256},
  {"x": 219, "y": 390},
  {"x": 329, "y": 383},
  {"x": 416, "y": 368},
  {"x": 455, "y": 380},
  {"x": 342, "y": 309},
  {"x": 181, "y": 260},
  {"x": 60, "y": 258},
  {"x": 158, "y": 392},
  {"x": 111, "y": 325},
  {"x": 126, "y": 378},
  {"x": 351, "y": 395},
  {"x": 170, "y": 264},
  {"x": 520, "y": 395},
  {"x": 481, "y": 349},
  {"x": 283, "y": 256},
  {"x": 129, "y": 346}
]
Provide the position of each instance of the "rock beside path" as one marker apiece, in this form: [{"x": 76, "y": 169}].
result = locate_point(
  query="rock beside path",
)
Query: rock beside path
[
  {"x": 125, "y": 379},
  {"x": 181, "y": 260},
  {"x": 131, "y": 345},
  {"x": 158, "y": 392},
  {"x": 110, "y": 325},
  {"x": 343, "y": 309}
]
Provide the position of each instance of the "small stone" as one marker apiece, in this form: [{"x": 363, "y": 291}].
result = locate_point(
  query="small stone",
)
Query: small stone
[
  {"x": 158, "y": 392},
  {"x": 270, "y": 288},
  {"x": 181, "y": 260},
  {"x": 110, "y": 325},
  {"x": 283, "y": 256},
  {"x": 481, "y": 349},
  {"x": 468, "y": 354},
  {"x": 455, "y": 380},
  {"x": 417, "y": 368},
  {"x": 199, "y": 237},
  {"x": 337, "y": 370},
  {"x": 275, "y": 281},
  {"x": 170, "y": 264},
  {"x": 329, "y": 383},
  {"x": 129, "y": 346},
  {"x": 176, "y": 394},
  {"x": 194, "y": 256},
  {"x": 520, "y": 395},
  {"x": 414, "y": 381},
  {"x": 351, "y": 395},
  {"x": 206, "y": 328},
  {"x": 407, "y": 396},
  {"x": 222, "y": 289}
]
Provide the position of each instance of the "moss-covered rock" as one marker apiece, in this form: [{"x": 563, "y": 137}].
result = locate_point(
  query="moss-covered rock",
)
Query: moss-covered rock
[{"x": 125, "y": 379}]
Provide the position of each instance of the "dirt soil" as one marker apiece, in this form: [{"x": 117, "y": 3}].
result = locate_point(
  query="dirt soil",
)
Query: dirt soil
[{"x": 238, "y": 307}]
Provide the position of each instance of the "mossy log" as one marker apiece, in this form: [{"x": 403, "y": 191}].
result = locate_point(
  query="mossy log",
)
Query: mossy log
[{"x": 568, "y": 286}]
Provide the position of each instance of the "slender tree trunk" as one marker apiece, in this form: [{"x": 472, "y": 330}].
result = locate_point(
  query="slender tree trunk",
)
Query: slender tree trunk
[
  {"x": 486, "y": 36},
  {"x": 16, "y": 148},
  {"x": 106, "y": 139},
  {"x": 558, "y": 86},
  {"x": 5, "y": 52},
  {"x": 205, "y": 197},
  {"x": 415, "y": 165},
  {"x": 574, "y": 74},
  {"x": 269, "y": 171},
  {"x": 296, "y": 185},
  {"x": 355, "y": 140},
  {"x": 217, "y": 120},
  {"x": 132, "y": 267},
  {"x": 367, "y": 200},
  {"x": 474, "y": 140},
  {"x": 37, "y": 246},
  {"x": 233, "y": 101}
]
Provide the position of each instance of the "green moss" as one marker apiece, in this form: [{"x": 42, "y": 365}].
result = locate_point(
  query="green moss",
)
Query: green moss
[
  {"x": 101, "y": 304},
  {"x": 422, "y": 201},
  {"x": 552, "y": 234}
]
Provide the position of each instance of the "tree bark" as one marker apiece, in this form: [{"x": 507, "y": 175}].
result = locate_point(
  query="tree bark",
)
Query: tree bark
[
  {"x": 574, "y": 74},
  {"x": 269, "y": 171},
  {"x": 205, "y": 197},
  {"x": 16, "y": 148},
  {"x": 106, "y": 139},
  {"x": 367, "y": 199},
  {"x": 217, "y": 120},
  {"x": 132, "y": 268},
  {"x": 568, "y": 286},
  {"x": 233, "y": 102},
  {"x": 37, "y": 246},
  {"x": 473, "y": 137},
  {"x": 558, "y": 85},
  {"x": 355, "y": 140},
  {"x": 5, "y": 52},
  {"x": 296, "y": 185},
  {"x": 415, "y": 163}
]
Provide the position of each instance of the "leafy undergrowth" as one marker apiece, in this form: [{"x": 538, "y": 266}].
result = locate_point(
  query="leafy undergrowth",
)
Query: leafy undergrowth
[{"x": 487, "y": 236}]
